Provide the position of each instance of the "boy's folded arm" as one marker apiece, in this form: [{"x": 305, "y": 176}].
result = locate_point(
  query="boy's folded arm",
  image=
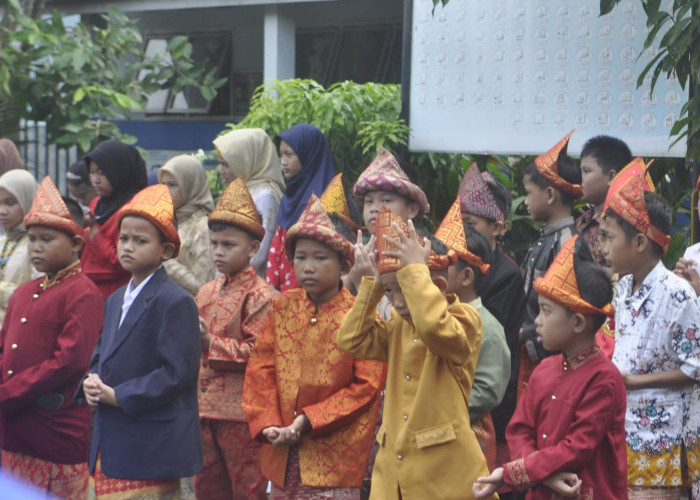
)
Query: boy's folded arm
[
  {"x": 347, "y": 404},
  {"x": 178, "y": 356},
  {"x": 261, "y": 402},
  {"x": 234, "y": 353},
  {"x": 490, "y": 379},
  {"x": 452, "y": 335},
  {"x": 69, "y": 359},
  {"x": 362, "y": 334},
  {"x": 593, "y": 417}
]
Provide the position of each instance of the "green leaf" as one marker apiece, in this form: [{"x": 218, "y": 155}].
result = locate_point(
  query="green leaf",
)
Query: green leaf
[{"x": 79, "y": 95}]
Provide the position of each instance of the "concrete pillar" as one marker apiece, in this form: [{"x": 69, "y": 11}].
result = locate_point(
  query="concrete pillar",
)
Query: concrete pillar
[{"x": 279, "y": 44}]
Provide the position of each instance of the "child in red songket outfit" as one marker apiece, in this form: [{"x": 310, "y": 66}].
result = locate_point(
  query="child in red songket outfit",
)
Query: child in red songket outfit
[
  {"x": 51, "y": 327},
  {"x": 117, "y": 173},
  {"x": 143, "y": 379},
  {"x": 567, "y": 436},
  {"x": 232, "y": 309},
  {"x": 314, "y": 406}
]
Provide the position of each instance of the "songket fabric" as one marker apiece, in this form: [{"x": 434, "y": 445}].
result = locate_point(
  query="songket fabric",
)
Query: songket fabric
[
  {"x": 297, "y": 367},
  {"x": 65, "y": 481},
  {"x": 107, "y": 488}
]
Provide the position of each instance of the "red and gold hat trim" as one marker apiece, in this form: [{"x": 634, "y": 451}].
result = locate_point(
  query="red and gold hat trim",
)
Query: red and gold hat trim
[
  {"x": 236, "y": 207},
  {"x": 48, "y": 209},
  {"x": 559, "y": 284},
  {"x": 451, "y": 233},
  {"x": 333, "y": 201},
  {"x": 547, "y": 165}
]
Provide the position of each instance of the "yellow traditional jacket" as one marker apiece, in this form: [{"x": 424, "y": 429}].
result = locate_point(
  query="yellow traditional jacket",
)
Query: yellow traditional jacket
[
  {"x": 427, "y": 447},
  {"x": 297, "y": 367},
  {"x": 234, "y": 308}
]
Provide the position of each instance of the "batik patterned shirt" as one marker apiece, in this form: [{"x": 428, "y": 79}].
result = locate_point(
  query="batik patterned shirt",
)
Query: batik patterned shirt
[{"x": 657, "y": 329}]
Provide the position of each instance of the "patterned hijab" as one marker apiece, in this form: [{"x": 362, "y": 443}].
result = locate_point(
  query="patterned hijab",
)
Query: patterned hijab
[
  {"x": 194, "y": 184},
  {"x": 251, "y": 155},
  {"x": 9, "y": 156},
  {"x": 317, "y": 170},
  {"x": 126, "y": 171}
]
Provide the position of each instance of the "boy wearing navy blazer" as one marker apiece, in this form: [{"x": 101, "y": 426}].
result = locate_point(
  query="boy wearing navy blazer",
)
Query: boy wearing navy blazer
[{"x": 143, "y": 373}]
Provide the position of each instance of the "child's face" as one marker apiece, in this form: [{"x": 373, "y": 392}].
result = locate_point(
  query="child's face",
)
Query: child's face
[
  {"x": 318, "y": 269},
  {"x": 11, "y": 213},
  {"x": 617, "y": 251},
  {"x": 395, "y": 295},
  {"x": 175, "y": 190},
  {"x": 536, "y": 201},
  {"x": 225, "y": 170},
  {"x": 291, "y": 165},
  {"x": 594, "y": 181},
  {"x": 232, "y": 249},
  {"x": 99, "y": 181},
  {"x": 458, "y": 279},
  {"x": 374, "y": 200},
  {"x": 554, "y": 326},
  {"x": 490, "y": 229},
  {"x": 51, "y": 250},
  {"x": 140, "y": 249}
]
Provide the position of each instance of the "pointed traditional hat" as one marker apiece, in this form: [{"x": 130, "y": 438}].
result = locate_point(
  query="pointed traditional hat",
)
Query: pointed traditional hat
[
  {"x": 626, "y": 199},
  {"x": 314, "y": 224},
  {"x": 451, "y": 233},
  {"x": 49, "y": 209},
  {"x": 385, "y": 218},
  {"x": 548, "y": 166},
  {"x": 559, "y": 283},
  {"x": 333, "y": 201},
  {"x": 156, "y": 206},
  {"x": 385, "y": 174},
  {"x": 236, "y": 207},
  {"x": 476, "y": 198}
]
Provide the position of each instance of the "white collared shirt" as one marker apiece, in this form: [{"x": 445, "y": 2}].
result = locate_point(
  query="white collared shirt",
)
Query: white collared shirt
[{"x": 131, "y": 293}]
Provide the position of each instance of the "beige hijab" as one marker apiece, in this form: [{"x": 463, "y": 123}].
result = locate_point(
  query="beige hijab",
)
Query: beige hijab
[
  {"x": 22, "y": 185},
  {"x": 194, "y": 184},
  {"x": 252, "y": 156},
  {"x": 9, "y": 156}
]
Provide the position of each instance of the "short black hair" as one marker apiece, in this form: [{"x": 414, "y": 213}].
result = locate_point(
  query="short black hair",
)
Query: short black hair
[
  {"x": 218, "y": 226},
  {"x": 342, "y": 227},
  {"x": 594, "y": 287},
  {"x": 659, "y": 216},
  {"x": 502, "y": 197},
  {"x": 76, "y": 213},
  {"x": 568, "y": 170},
  {"x": 161, "y": 234},
  {"x": 611, "y": 153},
  {"x": 78, "y": 173},
  {"x": 437, "y": 246},
  {"x": 479, "y": 246}
]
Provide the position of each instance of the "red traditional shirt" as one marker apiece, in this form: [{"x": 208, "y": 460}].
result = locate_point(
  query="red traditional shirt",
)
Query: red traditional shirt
[
  {"x": 99, "y": 259},
  {"x": 297, "y": 367},
  {"x": 280, "y": 271},
  {"x": 234, "y": 309},
  {"x": 571, "y": 418},
  {"x": 46, "y": 342}
]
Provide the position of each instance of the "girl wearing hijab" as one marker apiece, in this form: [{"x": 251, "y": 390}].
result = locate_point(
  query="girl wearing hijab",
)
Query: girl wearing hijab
[
  {"x": 17, "y": 190},
  {"x": 308, "y": 166},
  {"x": 9, "y": 156},
  {"x": 189, "y": 188},
  {"x": 250, "y": 155},
  {"x": 79, "y": 185},
  {"x": 117, "y": 173}
]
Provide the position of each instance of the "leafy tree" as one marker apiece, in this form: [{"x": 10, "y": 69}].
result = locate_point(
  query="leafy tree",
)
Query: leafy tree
[
  {"x": 676, "y": 29},
  {"x": 78, "y": 79}
]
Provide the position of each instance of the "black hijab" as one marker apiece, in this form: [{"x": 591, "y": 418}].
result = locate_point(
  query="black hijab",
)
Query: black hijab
[{"x": 126, "y": 171}]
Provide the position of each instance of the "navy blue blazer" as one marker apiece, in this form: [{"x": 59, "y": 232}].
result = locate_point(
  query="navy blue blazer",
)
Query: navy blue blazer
[{"x": 152, "y": 362}]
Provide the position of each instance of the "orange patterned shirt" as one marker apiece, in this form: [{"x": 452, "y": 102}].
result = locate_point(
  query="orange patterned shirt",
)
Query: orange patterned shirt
[
  {"x": 234, "y": 309},
  {"x": 297, "y": 367}
]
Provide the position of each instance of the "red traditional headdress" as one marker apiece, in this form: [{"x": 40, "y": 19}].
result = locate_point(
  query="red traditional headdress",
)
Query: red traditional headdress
[
  {"x": 48, "y": 209},
  {"x": 314, "y": 224},
  {"x": 559, "y": 283},
  {"x": 156, "y": 206},
  {"x": 547, "y": 165},
  {"x": 236, "y": 207},
  {"x": 385, "y": 174},
  {"x": 626, "y": 199},
  {"x": 451, "y": 233},
  {"x": 333, "y": 201}
]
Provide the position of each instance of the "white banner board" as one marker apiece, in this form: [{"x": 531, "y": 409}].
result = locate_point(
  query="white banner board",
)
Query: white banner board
[{"x": 514, "y": 76}]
